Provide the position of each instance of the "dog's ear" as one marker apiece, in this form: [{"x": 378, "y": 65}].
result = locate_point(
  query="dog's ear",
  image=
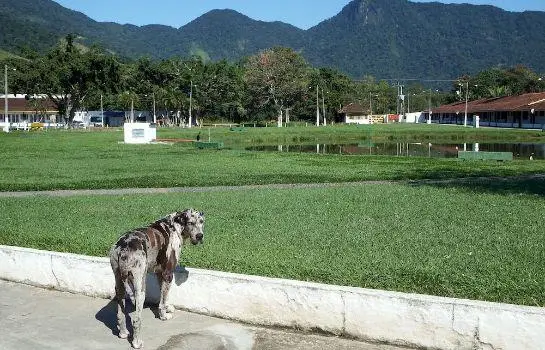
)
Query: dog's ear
[
  {"x": 179, "y": 217},
  {"x": 186, "y": 215}
]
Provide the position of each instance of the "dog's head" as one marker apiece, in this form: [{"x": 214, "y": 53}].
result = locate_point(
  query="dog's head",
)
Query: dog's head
[{"x": 192, "y": 223}]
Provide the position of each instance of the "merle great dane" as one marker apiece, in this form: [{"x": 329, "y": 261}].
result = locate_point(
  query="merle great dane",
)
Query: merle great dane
[{"x": 155, "y": 248}]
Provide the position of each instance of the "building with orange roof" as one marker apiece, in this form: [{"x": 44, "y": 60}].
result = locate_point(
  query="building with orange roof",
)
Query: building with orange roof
[{"x": 522, "y": 111}]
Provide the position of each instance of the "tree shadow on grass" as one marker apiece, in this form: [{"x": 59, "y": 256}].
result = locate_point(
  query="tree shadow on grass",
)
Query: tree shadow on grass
[{"x": 527, "y": 184}]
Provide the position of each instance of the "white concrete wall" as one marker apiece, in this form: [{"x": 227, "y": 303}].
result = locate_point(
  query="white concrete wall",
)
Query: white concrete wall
[
  {"x": 361, "y": 119},
  {"x": 413, "y": 117},
  {"x": 139, "y": 132},
  {"x": 373, "y": 315}
]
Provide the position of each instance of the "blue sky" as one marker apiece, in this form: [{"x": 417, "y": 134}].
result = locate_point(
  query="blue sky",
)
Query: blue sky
[{"x": 300, "y": 13}]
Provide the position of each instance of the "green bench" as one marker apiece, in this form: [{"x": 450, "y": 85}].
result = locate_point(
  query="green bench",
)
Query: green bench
[
  {"x": 366, "y": 144},
  {"x": 468, "y": 155},
  {"x": 208, "y": 145}
]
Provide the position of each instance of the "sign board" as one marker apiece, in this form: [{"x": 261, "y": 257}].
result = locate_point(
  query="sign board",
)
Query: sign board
[{"x": 139, "y": 132}]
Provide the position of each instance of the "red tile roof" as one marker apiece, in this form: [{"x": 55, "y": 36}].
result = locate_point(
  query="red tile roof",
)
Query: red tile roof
[
  {"x": 20, "y": 105},
  {"x": 525, "y": 102},
  {"x": 353, "y": 108}
]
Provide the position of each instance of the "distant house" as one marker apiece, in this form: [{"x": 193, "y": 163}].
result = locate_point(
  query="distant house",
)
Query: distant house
[
  {"x": 354, "y": 113},
  {"x": 522, "y": 111},
  {"x": 23, "y": 110}
]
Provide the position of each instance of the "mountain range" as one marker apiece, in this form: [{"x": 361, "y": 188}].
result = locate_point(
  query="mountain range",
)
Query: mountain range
[{"x": 382, "y": 38}]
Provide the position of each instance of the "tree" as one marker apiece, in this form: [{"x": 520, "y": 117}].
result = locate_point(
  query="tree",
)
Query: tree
[
  {"x": 498, "y": 82},
  {"x": 335, "y": 89},
  {"x": 67, "y": 75},
  {"x": 276, "y": 78},
  {"x": 220, "y": 91}
]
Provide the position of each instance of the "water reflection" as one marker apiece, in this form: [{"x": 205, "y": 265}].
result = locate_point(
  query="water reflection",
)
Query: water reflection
[{"x": 437, "y": 150}]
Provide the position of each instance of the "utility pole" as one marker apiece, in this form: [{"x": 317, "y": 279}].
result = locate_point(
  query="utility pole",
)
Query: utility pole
[
  {"x": 467, "y": 95},
  {"x": 190, "y": 102},
  {"x": 6, "y": 126},
  {"x": 323, "y": 107},
  {"x": 154, "y": 116},
  {"x": 398, "y": 94},
  {"x": 370, "y": 104},
  {"x": 429, "y": 110},
  {"x": 101, "y": 111},
  {"x": 401, "y": 101},
  {"x": 317, "y": 108}
]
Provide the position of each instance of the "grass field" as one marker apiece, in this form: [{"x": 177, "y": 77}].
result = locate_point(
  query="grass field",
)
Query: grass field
[
  {"x": 80, "y": 159},
  {"x": 349, "y": 133},
  {"x": 457, "y": 241},
  {"x": 478, "y": 239}
]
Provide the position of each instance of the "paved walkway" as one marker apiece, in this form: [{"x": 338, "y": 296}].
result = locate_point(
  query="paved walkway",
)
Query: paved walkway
[{"x": 35, "y": 318}]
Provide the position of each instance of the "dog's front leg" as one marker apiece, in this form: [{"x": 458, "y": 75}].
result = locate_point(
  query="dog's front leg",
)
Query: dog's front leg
[{"x": 165, "y": 279}]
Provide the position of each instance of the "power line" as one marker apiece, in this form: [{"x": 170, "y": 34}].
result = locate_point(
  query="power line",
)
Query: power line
[{"x": 416, "y": 79}]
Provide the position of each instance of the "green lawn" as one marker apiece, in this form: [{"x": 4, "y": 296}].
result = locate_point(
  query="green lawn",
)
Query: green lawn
[
  {"x": 81, "y": 159},
  {"x": 467, "y": 241},
  {"x": 478, "y": 239},
  {"x": 353, "y": 133}
]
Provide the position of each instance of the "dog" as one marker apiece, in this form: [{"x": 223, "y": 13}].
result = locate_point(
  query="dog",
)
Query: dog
[{"x": 155, "y": 248}]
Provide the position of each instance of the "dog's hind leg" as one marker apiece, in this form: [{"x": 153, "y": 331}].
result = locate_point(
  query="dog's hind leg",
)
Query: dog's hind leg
[
  {"x": 139, "y": 284},
  {"x": 120, "y": 299},
  {"x": 165, "y": 311}
]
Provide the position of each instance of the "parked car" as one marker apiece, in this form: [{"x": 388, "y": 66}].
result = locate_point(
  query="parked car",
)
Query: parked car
[{"x": 76, "y": 124}]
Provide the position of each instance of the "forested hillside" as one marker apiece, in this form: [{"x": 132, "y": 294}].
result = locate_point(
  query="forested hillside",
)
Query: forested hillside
[{"x": 381, "y": 38}]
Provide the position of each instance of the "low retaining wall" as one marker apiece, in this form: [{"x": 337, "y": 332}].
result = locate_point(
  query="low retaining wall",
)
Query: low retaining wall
[{"x": 404, "y": 319}]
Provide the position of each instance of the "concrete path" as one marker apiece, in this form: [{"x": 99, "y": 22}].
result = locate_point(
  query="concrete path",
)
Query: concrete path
[
  {"x": 35, "y": 318},
  {"x": 126, "y": 191}
]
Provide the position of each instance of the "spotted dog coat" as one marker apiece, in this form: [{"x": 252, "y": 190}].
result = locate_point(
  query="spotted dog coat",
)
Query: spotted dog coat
[{"x": 155, "y": 248}]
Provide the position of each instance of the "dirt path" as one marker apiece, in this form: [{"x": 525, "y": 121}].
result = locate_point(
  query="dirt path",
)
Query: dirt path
[{"x": 124, "y": 191}]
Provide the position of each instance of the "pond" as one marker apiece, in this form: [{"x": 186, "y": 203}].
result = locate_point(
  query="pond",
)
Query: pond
[{"x": 437, "y": 150}]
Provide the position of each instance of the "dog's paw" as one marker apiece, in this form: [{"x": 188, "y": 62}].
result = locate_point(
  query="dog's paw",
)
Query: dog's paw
[
  {"x": 165, "y": 316},
  {"x": 169, "y": 308},
  {"x": 137, "y": 343},
  {"x": 123, "y": 334}
]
